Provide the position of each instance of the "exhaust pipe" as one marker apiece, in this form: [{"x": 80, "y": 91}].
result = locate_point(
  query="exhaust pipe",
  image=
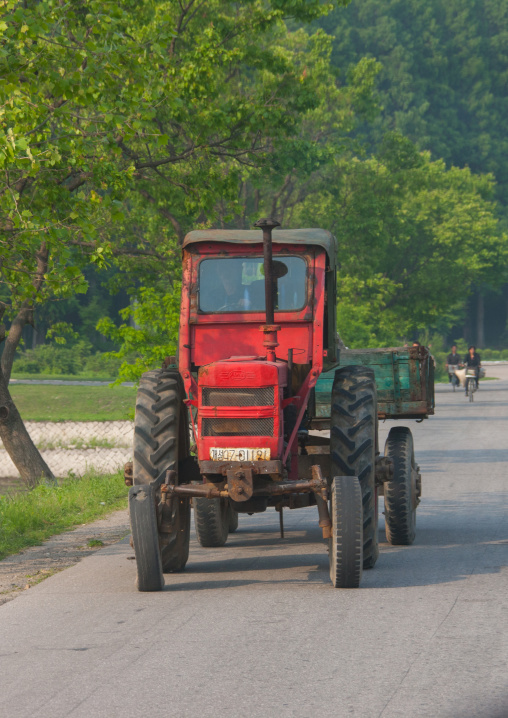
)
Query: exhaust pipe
[{"x": 270, "y": 329}]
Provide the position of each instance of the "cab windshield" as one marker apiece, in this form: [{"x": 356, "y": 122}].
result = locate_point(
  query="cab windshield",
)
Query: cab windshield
[{"x": 237, "y": 284}]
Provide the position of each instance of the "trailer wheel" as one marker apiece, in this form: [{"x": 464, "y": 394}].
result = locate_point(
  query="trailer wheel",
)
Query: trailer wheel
[
  {"x": 145, "y": 539},
  {"x": 160, "y": 442},
  {"x": 346, "y": 542},
  {"x": 233, "y": 520},
  {"x": 401, "y": 493},
  {"x": 211, "y": 517},
  {"x": 353, "y": 444}
]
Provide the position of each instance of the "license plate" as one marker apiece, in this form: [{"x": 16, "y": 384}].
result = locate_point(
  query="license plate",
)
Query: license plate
[{"x": 240, "y": 454}]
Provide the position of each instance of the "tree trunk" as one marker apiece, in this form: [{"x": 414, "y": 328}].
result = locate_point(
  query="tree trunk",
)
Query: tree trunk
[
  {"x": 18, "y": 443},
  {"x": 22, "y": 318},
  {"x": 480, "y": 321}
]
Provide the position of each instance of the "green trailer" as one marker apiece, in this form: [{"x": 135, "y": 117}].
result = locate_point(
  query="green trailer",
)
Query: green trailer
[{"x": 404, "y": 379}]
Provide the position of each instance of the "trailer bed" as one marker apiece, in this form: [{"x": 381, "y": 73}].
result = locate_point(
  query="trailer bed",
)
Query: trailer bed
[{"x": 404, "y": 380}]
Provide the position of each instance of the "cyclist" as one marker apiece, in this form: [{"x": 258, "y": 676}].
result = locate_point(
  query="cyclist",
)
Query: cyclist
[
  {"x": 453, "y": 360},
  {"x": 472, "y": 360}
]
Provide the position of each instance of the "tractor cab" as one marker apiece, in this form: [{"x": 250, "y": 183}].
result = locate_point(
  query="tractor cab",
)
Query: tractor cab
[{"x": 257, "y": 325}]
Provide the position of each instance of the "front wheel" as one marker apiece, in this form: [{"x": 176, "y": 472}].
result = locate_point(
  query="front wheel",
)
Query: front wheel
[
  {"x": 353, "y": 444},
  {"x": 212, "y": 518},
  {"x": 145, "y": 538},
  {"x": 470, "y": 388},
  {"x": 346, "y": 543},
  {"x": 160, "y": 442},
  {"x": 233, "y": 520}
]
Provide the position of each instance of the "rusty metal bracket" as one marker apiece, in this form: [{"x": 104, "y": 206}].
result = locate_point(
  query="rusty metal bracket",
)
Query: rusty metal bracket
[
  {"x": 276, "y": 488},
  {"x": 128, "y": 473},
  {"x": 240, "y": 484},
  {"x": 325, "y": 522},
  {"x": 383, "y": 469},
  {"x": 257, "y": 467},
  {"x": 205, "y": 491},
  {"x": 165, "y": 507}
]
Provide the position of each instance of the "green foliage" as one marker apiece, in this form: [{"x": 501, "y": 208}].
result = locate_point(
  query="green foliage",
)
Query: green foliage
[
  {"x": 122, "y": 124},
  {"x": 28, "y": 519},
  {"x": 413, "y": 238},
  {"x": 51, "y": 359},
  {"x": 126, "y": 124},
  {"x": 443, "y": 82},
  {"x": 151, "y": 335}
]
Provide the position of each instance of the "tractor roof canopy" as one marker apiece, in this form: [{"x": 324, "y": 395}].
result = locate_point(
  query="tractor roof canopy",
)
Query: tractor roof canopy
[{"x": 311, "y": 237}]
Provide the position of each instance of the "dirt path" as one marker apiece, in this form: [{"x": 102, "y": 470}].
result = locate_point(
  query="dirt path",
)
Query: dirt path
[{"x": 23, "y": 570}]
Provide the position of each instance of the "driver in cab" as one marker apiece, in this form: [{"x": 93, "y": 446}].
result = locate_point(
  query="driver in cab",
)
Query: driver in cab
[
  {"x": 239, "y": 296},
  {"x": 235, "y": 295}
]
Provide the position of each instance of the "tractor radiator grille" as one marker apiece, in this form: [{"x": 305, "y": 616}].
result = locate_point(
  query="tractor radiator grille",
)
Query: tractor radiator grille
[
  {"x": 237, "y": 427},
  {"x": 239, "y": 396}
]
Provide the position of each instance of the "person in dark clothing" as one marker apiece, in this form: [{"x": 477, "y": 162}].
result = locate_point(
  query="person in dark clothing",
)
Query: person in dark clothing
[
  {"x": 452, "y": 360},
  {"x": 234, "y": 295},
  {"x": 472, "y": 360}
]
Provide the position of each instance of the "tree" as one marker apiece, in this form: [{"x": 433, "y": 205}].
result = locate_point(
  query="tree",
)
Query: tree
[
  {"x": 109, "y": 109},
  {"x": 319, "y": 133},
  {"x": 414, "y": 238},
  {"x": 443, "y": 78}
]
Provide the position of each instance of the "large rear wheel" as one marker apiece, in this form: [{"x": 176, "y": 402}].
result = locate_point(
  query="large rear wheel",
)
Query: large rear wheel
[
  {"x": 160, "y": 441},
  {"x": 353, "y": 444},
  {"x": 346, "y": 543},
  {"x": 402, "y": 492}
]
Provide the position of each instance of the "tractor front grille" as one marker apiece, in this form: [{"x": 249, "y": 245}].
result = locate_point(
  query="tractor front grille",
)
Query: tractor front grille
[
  {"x": 238, "y": 427},
  {"x": 238, "y": 396}
]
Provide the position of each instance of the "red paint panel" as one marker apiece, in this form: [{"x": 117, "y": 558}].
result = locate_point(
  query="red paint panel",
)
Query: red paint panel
[{"x": 213, "y": 342}]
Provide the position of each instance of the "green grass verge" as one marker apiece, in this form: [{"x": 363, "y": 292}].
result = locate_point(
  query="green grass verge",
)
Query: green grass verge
[
  {"x": 29, "y": 518},
  {"x": 83, "y": 376},
  {"x": 43, "y": 402}
]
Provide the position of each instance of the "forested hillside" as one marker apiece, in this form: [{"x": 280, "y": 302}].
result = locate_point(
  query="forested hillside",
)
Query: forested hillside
[
  {"x": 444, "y": 75},
  {"x": 443, "y": 83}
]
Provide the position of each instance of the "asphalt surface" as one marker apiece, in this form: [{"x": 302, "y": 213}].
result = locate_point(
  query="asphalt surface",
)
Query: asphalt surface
[{"x": 255, "y": 628}]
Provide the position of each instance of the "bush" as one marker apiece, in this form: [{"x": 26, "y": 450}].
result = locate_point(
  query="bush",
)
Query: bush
[
  {"x": 103, "y": 364},
  {"x": 490, "y": 354},
  {"x": 56, "y": 359},
  {"x": 53, "y": 359},
  {"x": 26, "y": 363},
  {"x": 48, "y": 359}
]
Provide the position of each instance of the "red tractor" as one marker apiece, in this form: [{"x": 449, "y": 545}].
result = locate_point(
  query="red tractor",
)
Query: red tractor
[{"x": 257, "y": 332}]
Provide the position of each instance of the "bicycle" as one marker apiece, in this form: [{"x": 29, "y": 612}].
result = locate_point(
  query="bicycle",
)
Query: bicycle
[
  {"x": 471, "y": 383},
  {"x": 453, "y": 377}
]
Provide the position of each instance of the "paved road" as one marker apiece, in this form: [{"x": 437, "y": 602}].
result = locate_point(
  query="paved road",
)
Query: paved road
[{"x": 255, "y": 629}]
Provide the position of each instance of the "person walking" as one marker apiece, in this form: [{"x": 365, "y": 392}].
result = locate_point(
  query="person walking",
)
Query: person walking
[{"x": 472, "y": 360}]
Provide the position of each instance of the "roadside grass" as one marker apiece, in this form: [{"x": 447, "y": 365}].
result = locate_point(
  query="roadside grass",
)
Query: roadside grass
[
  {"x": 47, "y": 402},
  {"x": 29, "y": 518},
  {"x": 83, "y": 376}
]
